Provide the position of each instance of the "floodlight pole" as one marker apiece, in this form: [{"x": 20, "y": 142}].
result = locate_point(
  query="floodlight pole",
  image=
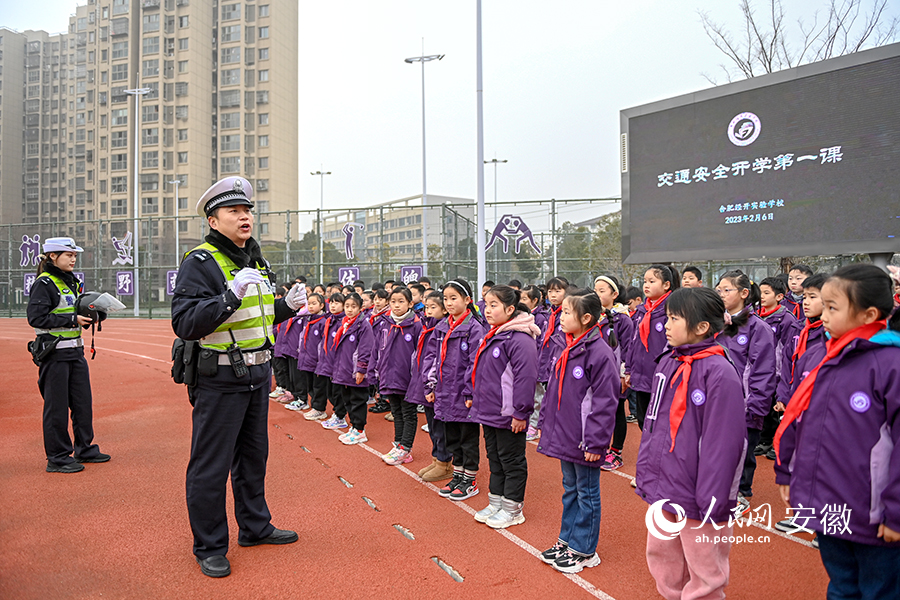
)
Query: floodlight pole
[
  {"x": 479, "y": 232},
  {"x": 321, "y": 175},
  {"x": 137, "y": 93}
]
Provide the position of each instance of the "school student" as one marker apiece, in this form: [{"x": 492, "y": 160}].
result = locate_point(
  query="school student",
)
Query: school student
[
  {"x": 691, "y": 277},
  {"x": 692, "y": 448},
  {"x": 308, "y": 357},
  {"x": 793, "y": 300},
  {"x": 552, "y": 343},
  {"x": 352, "y": 350},
  {"x": 325, "y": 364},
  {"x": 576, "y": 423},
  {"x": 504, "y": 375},
  {"x": 418, "y": 298},
  {"x": 846, "y": 411}
]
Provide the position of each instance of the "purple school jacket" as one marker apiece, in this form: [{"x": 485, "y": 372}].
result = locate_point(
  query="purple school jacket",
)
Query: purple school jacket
[
  {"x": 289, "y": 336},
  {"x": 309, "y": 342},
  {"x": 448, "y": 380},
  {"x": 352, "y": 354},
  {"x": 848, "y": 443},
  {"x": 624, "y": 330},
  {"x": 550, "y": 349},
  {"x": 416, "y": 391},
  {"x": 786, "y": 329},
  {"x": 379, "y": 322},
  {"x": 786, "y": 386},
  {"x": 711, "y": 442},
  {"x": 506, "y": 375},
  {"x": 641, "y": 361},
  {"x": 397, "y": 344},
  {"x": 795, "y": 307},
  {"x": 325, "y": 365},
  {"x": 540, "y": 315},
  {"x": 752, "y": 350},
  {"x": 582, "y": 419}
]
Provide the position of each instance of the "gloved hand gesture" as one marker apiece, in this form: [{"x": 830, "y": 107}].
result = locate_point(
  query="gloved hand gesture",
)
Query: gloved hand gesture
[
  {"x": 245, "y": 278},
  {"x": 296, "y": 297}
]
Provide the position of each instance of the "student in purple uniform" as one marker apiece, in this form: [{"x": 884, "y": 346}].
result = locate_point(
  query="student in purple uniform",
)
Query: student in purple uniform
[
  {"x": 281, "y": 392},
  {"x": 552, "y": 343},
  {"x": 846, "y": 462},
  {"x": 418, "y": 299},
  {"x": 368, "y": 298},
  {"x": 440, "y": 467},
  {"x": 298, "y": 386},
  {"x": 325, "y": 366},
  {"x": 751, "y": 347},
  {"x": 691, "y": 277},
  {"x": 693, "y": 448},
  {"x": 615, "y": 316},
  {"x": 633, "y": 298},
  {"x": 786, "y": 330},
  {"x": 504, "y": 375},
  {"x": 484, "y": 290},
  {"x": 309, "y": 348},
  {"x": 577, "y": 420},
  {"x": 533, "y": 299},
  {"x": 649, "y": 339},
  {"x": 397, "y": 344},
  {"x": 380, "y": 312},
  {"x": 352, "y": 351},
  {"x": 455, "y": 341},
  {"x": 793, "y": 300}
]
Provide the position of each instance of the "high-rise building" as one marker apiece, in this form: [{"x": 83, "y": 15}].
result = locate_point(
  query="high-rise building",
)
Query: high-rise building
[{"x": 190, "y": 90}]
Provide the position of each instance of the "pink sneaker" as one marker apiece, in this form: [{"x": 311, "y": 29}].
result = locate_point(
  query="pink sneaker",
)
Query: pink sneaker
[
  {"x": 532, "y": 434},
  {"x": 398, "y": 456}
]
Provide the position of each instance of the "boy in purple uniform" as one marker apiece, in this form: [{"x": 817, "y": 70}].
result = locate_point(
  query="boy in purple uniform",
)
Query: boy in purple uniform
[
  {"x": 352, "y": 350},
  {"x": 793, "y": 300},
  {"x": 325, "y": 365}
]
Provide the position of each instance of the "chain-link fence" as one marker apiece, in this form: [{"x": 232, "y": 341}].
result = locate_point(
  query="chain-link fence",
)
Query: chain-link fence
[{"x": 528, "y": 240}]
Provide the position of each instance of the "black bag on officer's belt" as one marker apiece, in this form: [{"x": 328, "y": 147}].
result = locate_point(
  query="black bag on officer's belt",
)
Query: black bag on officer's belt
[
  {"x": 39, "y": 351},
  {"x": 184, "y": 361}
]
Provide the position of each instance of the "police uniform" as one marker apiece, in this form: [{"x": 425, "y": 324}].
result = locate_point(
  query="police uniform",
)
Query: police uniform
[
  {"x": 230, "y": 414},
  {"x": 63, "y": 377}
]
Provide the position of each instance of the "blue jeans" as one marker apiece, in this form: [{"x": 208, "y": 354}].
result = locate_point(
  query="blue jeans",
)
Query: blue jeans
[
  {"x": 859, "y": 571},
  {"x": 581, "y": 507}
]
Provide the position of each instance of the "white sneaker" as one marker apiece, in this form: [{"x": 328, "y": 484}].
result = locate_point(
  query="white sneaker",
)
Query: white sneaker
[
  {"x": 572, "y": 562},
  {"x": 279, "y": 391},
  {"x": 315, "y": 415},
  {"x": 334, "y": 423},
  {"x": 296, "y": 405},
  {"x": 354, "y": 436}
]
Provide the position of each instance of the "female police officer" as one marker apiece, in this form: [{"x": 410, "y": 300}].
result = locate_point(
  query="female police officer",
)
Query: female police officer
[
  {"x": 224, "y": 298},
  {"x": 63, "y": 376}
]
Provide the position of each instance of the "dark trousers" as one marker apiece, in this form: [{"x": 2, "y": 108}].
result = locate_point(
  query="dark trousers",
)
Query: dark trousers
[
  {"x": 229, "y": 435},
  {"x": 860, "y": 571},
  {"x": 506, "y": 457},
  {"x": 336, "y": 396},
  {"x": 770, "y": 425},
  {"x": 320, "y": 391},
  {"x": 299, "y": 381},
  {"x": 279, "y": 368},
  {"x": 621, "y": 428},
  {"x": 642, "y": 399},
  {"x": 463, "y": 444},
  {"x": 437, "y": 431},
  {"x": 746, "y": 487},
  {"x": 406, "y": 420},
  {"x": 353, "y": 401},
  {"x": 632, "y": 402},
  {"x": 66, "y": 386}
]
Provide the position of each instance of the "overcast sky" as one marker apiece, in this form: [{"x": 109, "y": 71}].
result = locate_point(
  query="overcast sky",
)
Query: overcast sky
[{"x": 555, "y": 76}]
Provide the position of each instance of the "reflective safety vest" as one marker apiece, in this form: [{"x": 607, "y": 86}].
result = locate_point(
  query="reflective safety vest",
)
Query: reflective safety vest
[
  {"x": 252, "y": 324},
  {"x": 66, "y": 306}
]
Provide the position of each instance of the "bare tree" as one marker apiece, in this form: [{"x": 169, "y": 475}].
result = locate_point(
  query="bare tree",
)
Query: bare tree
[{"x": 767, "y": 44}]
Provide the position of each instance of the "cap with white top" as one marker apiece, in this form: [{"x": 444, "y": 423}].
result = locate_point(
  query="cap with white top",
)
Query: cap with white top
[
  {"x": 61, "y": 244},
  {"x": 231, "y": 191}
]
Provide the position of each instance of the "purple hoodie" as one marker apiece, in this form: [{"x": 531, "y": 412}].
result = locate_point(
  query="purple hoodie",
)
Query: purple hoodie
[
  {"x": 540, "y": 315},
  {"x": 786, "y": 386},
  {"x": 624, "y": 330},
  {"x": 352, "y": 353},
  {"x": 416, "y": 391},
  {"x": 289, "y": 336},
  {"x": 396, "y": 346},
  {"x": 711, "y": 442},
  {"x": 795, "y": 306},
  {"x": 309, "y": 342},
  {"x": 448, "y": 379},
  {"x": 550, "y": 348},
  {"x": 506, "y": 374},
  {"x": 325, "y": 364},
  {"x": 752, "y": 350},
  {"x": 786, "y": 329},
  {"x": 582, "y": 419},
  {"x": 847, "y": 452},
  {"x": 379, "y": 322},
  {"x": 641, "y": 361}
]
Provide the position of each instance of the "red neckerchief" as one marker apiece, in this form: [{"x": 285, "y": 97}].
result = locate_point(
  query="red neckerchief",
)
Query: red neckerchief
[
  {"x": 325, "y": 333},
  {"x": 644, "y": 327},
  {"x": 376, "y": 315},
  {"x": 800, "y": 400},
  {"x": 564, "y": 358},
  {"x": 447, "y": 337},
  {"x": 551, "y": 325},
  {"x": 421, "y": 344},
  {"x": 309, "y": 326},
  {"x": 763, "y": 313},
  {"x": 481, "y": 346},
  {"x": 346, "y": 322},
  {"x": 400, "y": 326},
  {"x": 679, "y": 402}
]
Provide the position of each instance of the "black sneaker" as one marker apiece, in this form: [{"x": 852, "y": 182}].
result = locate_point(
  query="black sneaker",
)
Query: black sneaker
[
  {"x": 72, "y": 467},
  {"x": 761, "y": 449},
  {"x": 99, "y": 458},
  {"x": 451, "y": 485},
  {"x": 771, "y": 454},
  {"x": 631, "y": 419},
  {"x": 381, "y": 406},
  {"x": 572, "y": 562},
  {"x": 550, "y": 555},
  {"x": 466, "y": 489}
]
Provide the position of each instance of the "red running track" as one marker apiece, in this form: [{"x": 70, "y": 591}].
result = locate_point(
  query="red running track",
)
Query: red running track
[{"x": 120, "y": 529}]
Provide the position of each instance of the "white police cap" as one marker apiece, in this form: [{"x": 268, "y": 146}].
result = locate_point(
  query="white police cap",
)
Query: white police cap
[
  {"x": 231, "y": 191},
  {"x": 61, "y": 244}
]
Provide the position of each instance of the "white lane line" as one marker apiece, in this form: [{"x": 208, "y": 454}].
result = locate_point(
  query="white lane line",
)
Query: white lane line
[
  {"x": 133, "y": 354},
  {"x": 578, "y": 580},
  {"x": 132, "y": 341}
]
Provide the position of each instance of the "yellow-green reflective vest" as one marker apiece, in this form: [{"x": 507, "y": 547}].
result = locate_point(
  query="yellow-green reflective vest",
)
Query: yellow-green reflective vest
[
  {"x": 66, "y": 306},
  {"x": 251, "y": 325}
]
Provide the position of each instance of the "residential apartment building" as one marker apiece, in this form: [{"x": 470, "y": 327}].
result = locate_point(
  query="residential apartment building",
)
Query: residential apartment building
[{"x": 189, "y": 90}]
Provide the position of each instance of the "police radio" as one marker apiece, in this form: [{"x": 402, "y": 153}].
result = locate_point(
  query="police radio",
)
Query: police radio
[{"x": 236, "y": 358}]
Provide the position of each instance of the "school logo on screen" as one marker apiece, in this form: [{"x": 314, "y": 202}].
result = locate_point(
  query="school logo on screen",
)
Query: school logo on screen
[{"x": 744, "y": 129}]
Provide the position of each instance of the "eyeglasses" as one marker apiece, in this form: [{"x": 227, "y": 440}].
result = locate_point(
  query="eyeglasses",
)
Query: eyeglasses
[{"x": 723, "y": 291}]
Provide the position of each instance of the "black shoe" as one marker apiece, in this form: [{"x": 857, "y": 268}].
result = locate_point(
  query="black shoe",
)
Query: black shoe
[
  {"x": 771, "y": 454},
  {"x": 279, "y": 536},
  {"x": 631, "y": 419},
  {"x": 73, "y": 467},
  {"x": 93, "y": 459},
  {"x": 381, "y": 406},
  {"x": 214, "y": 566},
  {"x": 761, "y": 449}
]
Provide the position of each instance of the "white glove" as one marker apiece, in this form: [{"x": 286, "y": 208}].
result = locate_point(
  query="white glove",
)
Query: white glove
[
  {"x": 296, "y": 297},
  {"x": 244, "y": 279}
]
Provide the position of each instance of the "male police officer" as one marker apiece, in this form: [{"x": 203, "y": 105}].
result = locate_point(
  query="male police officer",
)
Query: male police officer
[{"x": 224, "y": 298}]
